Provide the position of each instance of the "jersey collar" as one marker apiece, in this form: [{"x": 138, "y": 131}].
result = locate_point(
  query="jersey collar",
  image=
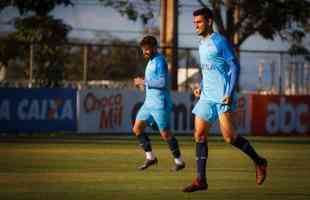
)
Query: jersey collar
[{"x": 204, "y": 40}]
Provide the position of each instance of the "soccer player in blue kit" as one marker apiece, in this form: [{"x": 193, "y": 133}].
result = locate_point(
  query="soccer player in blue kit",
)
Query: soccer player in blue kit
[
  {"x": 220, "y": 71},
  {"x": 157, "y": 105}
]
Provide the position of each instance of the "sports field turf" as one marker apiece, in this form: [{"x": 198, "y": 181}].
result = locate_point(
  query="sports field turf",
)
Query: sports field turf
[{"x": 105, "y": 168}]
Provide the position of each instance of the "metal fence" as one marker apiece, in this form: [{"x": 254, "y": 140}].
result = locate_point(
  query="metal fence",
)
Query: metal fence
[
  {"x": 268, "y": 72},
  {"x": 275, "y": 73}
]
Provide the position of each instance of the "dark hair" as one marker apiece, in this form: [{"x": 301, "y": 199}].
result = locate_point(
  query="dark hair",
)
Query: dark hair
[
  {"x": 149, "y": 40},
  {"x": 206, "y": 12}
]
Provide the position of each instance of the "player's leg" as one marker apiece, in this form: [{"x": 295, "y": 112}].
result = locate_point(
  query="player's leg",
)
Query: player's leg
[
  {"x": 138, "y": 129},
  {"x": 174, "y": 148},
  {"x": 201, "y": 132},
  {"x": 229, "y": 135},
  {"x": 201, "y": 137},
  {"x": 162, "y": 119},
  {"x": 204, "y": 118}
]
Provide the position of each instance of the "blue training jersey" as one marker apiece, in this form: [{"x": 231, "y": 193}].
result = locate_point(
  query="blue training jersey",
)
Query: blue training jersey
[
  {"x": 157, "y": 93},
  {"x": 219, "y": 67}
]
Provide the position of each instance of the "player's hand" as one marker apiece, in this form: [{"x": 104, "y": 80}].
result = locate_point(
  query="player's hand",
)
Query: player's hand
[
  {"x": 197, "y": 92},
  {"x": 227, "y": 100},
  {"x": 138, "y": 81}
]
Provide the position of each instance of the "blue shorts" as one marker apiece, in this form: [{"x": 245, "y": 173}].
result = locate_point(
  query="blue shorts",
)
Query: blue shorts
[
  {"x": 159, "y": 116},
  {"x": 210, "y": 111}
]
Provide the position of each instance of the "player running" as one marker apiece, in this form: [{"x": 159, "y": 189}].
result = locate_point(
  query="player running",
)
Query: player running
[
  {"x": 157, "y": 105},
  {"x": 220, "y": 72}
]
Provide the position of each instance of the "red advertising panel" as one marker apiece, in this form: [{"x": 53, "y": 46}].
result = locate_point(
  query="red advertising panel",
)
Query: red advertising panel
[{"x": 275, "y": 115}]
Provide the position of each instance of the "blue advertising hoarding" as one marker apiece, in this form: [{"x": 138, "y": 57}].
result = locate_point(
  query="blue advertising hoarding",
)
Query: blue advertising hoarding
[{"x": 38, "y": 110}]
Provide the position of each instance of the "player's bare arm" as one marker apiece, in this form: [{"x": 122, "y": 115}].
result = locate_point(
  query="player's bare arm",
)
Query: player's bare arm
[
  {"x": 139, "y": 81},
  {"x": 197, "y": 92},
  {"x": 227, "y": 100}
]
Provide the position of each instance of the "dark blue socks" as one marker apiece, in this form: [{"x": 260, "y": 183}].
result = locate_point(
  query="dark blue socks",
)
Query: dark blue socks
[
  {"x": 145, "y": 142},
  {"x": 245, "y": 146},
  {"x": 174, "y": 147},
  {"x": 201, "y": 159}
]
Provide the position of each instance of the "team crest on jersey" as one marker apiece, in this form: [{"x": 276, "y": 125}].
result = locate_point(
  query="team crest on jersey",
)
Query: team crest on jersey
[
  {"x": 207, "y": 66},
  {"x": 212, "y": 50}
]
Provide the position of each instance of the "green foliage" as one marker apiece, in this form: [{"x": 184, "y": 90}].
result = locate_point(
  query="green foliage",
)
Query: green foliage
[
  {"x": 73, "y": 62},
  {"x": 9, "y": 49},
  {"x": 267, "y": 18},
  {"x": 40, "y": 7},
  {"x": 41, "y": 29},
  {"x": 298, "y": 49},
  {"x": 136, "y": 9},
  {"x": 117, "y": 61},
  {"x": 45, "y": 32}
]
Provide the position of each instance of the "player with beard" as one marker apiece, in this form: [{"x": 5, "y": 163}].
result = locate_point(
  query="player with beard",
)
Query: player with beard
[
  {"x": 157, "y": 105},
  {"x": 220, "y": 71}
]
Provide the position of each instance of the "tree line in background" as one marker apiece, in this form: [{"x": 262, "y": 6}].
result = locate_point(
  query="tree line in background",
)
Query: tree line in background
[{"x": 288, "y": 19}]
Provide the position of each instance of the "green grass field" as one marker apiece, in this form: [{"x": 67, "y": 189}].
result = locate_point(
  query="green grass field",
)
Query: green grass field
[{"x": 105, "y": 168}]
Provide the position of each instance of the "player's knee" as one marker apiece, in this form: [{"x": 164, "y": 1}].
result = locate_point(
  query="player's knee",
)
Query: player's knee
[
  {"x": 228, "y": 140},
  {"x": 166, "y": 136},
  {"x": 136, "y": 130},
  {"x": 199, "y": 137}
]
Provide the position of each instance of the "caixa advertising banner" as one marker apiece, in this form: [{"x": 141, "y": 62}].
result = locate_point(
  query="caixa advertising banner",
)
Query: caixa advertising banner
[
  {"x": 37, "y": 110},
  {"x": 280, "y": 115},
  {"x": 113, "y": 112}
]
